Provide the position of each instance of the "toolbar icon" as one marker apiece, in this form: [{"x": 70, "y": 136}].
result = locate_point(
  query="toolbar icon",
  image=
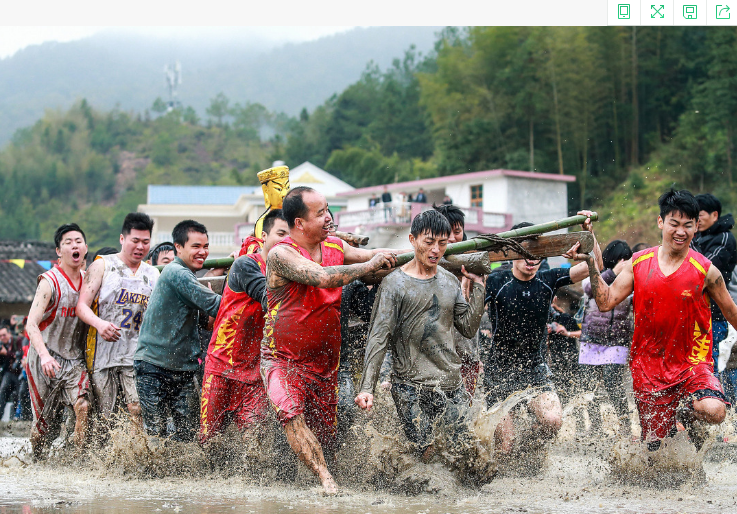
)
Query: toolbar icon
[
  {"x": 690, "y": 12},
  {"x": 657, "y": 11},
  {"x": 623, "y": 11},
  {"x": 723, "y": 12}
]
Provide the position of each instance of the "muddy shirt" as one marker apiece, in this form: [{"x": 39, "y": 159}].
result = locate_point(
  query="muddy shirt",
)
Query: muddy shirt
[
  {"x": 169, "y": 337},
  {"x": 518, "y": 311},
  {"x": 121, "y": 300},
  {"x": 415, "y": 319},
  {"x": 302, "y": 325},
  {"x": 60, "y": 318},
  {"x": 355, "y": 316}
]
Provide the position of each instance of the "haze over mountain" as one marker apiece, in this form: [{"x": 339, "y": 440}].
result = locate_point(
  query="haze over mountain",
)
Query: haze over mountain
[{"x": 126, "y": 70}]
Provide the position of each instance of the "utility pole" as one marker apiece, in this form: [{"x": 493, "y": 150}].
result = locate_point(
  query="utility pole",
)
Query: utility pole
[{"x": 173, "y": 75}]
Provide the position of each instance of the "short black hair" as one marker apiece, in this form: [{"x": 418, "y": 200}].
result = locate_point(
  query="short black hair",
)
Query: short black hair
[
  {"x": 614, "y": 252},
  {"x": 293, "y": 206},
  {"x": 453, "y": 214},
  {"x": 679, "y": 201},
  {"x": 137, "y": 221},
  {"x": 521, "y": 224},
  {"x": 105, "y": 250},
  {"x": 166, "y": 246},
  {"x": 430, "y": 221},
  {"x": 270, "y": 219},
  {"x": 180, "y": 234},
  {"x": 639, "y": 247},
  {"x": 709, "y": 203},
  {"x": 68, "y": 227}
]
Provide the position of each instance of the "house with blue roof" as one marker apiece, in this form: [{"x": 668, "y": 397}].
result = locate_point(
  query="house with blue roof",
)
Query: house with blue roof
[{"x": 229, "y": 212}]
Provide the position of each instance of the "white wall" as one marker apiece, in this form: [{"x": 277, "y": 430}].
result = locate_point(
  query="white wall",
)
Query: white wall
[
  {"x": 495, "y": 194},
  {"x": 358, "y": 203},
  {"x": 536, "y": 201},
  {"x": 459, "y": 193}
]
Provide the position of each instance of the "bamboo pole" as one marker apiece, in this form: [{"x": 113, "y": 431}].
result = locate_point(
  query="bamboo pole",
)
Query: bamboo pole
[
  {"x": 482, "y": 244},
  {"x": 457, "y": 248}
]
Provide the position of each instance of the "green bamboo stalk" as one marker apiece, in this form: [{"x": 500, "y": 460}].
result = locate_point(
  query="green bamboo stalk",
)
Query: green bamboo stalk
[
  {"x": 456, "y": 248},
  {"x": 224, "y": 262},
  {"x": 475, "y": 244}
]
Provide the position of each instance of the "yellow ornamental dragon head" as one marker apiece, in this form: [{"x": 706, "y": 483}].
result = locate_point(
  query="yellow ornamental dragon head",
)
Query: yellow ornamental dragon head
[{"x": 275, "y": 185}]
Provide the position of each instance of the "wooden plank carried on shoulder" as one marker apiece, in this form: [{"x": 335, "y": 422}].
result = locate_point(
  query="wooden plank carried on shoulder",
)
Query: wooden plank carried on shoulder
[{"x": 549, "y": 246}]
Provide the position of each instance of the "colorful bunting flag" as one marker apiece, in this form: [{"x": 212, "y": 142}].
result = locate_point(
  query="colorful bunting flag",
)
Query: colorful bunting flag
[{"x": 21, "y": 263}]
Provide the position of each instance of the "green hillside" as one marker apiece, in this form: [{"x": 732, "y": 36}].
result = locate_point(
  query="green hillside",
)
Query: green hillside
[
  {"x": 125, "y": 70},
  {"x": 628, "y": 111}
]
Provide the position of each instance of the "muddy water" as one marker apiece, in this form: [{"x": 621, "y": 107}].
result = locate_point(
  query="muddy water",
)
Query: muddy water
[{"x": 579, "y": 474}]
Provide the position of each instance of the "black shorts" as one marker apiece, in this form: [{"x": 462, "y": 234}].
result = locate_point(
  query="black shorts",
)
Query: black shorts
[{"x": 501, "y": 382}]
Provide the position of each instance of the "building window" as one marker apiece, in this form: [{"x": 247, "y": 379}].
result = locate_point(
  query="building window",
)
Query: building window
[{"x": 477, "y": 196}]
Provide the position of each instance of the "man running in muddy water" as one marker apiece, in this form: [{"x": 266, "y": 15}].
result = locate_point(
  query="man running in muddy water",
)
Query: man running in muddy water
[
  {"x": 671, "y": 353},
  {"x": 470, "y": 365},
  {"x": 305, "y": 274},
  {"x": 167, "y": 356},
  {"x": 519, "y": 304},
  {"x": 417, "y": 310},
  {"x": 55, "y": 367},
  {"x": 232, "y": 385},
  {"x": 112, "y": 302}
]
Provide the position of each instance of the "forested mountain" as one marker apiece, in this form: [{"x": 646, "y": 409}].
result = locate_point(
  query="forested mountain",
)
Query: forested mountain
[
  {"x": 126, "y": 70},
  {"x": 629, "y": 111}
]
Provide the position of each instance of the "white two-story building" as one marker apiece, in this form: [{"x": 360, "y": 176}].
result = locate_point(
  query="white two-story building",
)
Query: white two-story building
[
  {"x": 493, "y": 201},
  {"x": 228, "y": 212}
]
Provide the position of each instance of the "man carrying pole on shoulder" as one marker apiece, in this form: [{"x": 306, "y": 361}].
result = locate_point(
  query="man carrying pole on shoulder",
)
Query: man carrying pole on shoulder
[
  {"x": 519, "y": 301},
  {"x": 300, "y": 351},
  {"x": 418, "y": 309}
]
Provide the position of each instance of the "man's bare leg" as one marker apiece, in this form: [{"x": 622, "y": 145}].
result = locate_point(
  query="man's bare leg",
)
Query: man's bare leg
[
  {"x": 38, "y": 443},
  {"x": 308, "y": 449},
  {"x": 81, "y": 409},
  {"x": 134, "y": 409},
  {"x": 504, "y": 434},
  {"x": 709, "y": 410},
  {"x": 548, "y": 413}
]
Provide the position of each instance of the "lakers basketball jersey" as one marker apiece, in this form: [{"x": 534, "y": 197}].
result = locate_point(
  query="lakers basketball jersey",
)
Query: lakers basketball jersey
[{"x": 122, "y": 300}]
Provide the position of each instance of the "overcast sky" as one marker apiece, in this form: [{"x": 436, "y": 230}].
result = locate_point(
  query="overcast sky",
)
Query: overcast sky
[{"x": 13, "y": 39}]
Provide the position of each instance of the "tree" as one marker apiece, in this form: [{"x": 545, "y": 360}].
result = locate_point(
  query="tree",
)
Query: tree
[
  {"x": 218, "y": 108},
  {"x": 159, "y": 106},
  {"x": 190, "y": 116}
]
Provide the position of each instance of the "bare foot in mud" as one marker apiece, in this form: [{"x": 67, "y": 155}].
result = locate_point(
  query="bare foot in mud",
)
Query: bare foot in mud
[
  {"x": 428, "y": 454},
  {"x": 329, "y": 487}
]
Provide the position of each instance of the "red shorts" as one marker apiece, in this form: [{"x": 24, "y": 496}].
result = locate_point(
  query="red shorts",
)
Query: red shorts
[
  {"x": 470, "y": 374},
  {"x": 658, "y": 410},
  {"x": 293, "y": 391},
  {"x": 224, "y": 400}
]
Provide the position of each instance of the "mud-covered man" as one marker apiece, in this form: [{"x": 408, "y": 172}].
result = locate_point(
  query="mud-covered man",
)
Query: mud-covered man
[
  {"x": 112, "y": 302},
  {"x": 418, "y": 308},
  {"x": 305, "y": 274},
  {"x": 471, "y": 365},
  {"x": 56, "y": 372},
  {"x": 671, "y": 353},
  {"x": 519, "y": 303}
]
